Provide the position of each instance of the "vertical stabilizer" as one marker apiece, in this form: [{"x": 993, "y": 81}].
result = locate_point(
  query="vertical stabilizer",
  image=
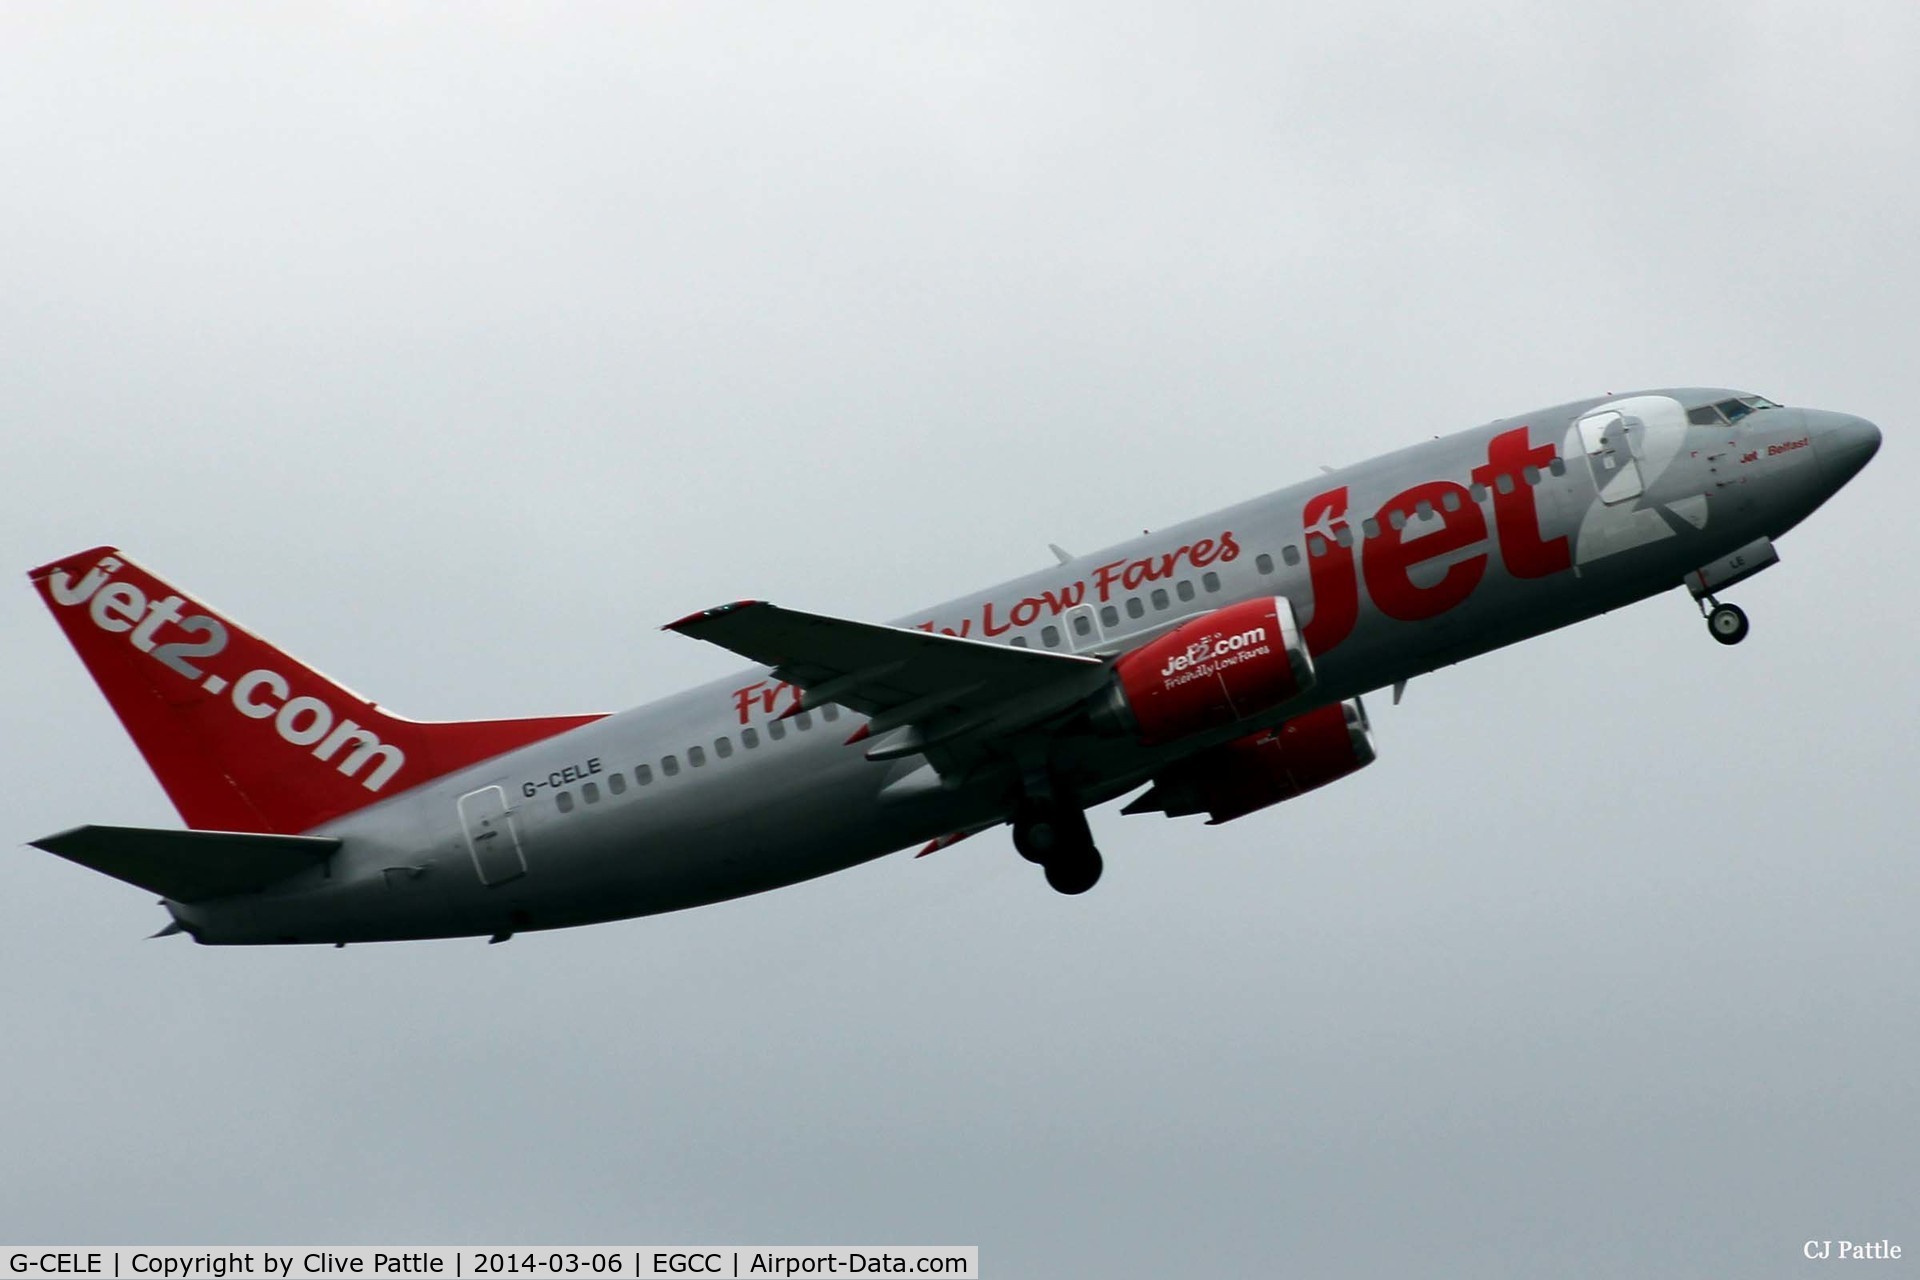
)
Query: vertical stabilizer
[{"x": 242, "y": 736}]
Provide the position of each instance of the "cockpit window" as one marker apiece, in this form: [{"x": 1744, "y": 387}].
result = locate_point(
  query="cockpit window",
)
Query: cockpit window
[
  {"x": 1744, "y": 405},
  {"x": 1705, "y": 416}
]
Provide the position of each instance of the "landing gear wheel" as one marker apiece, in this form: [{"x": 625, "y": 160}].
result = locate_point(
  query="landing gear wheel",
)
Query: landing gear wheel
[
  {"x": 1727, "y": 624},
  {"x": 1036, "y": 839},
  {"x": 1050, "y": 829},
  {"x": 1044, "y": 832},
  {"x": 1075, "y": 873}
]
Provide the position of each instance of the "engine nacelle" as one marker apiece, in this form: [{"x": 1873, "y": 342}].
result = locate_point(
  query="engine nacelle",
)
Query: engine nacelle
[
  {"x": 1225, "y": 666},
  {"x": 1234, "y": 779}
]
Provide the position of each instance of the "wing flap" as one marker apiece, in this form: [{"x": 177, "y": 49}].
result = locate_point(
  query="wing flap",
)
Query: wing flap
[{"x": 189, "y": 866}]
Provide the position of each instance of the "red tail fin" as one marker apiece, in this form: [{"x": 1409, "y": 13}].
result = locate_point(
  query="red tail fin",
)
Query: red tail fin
[{"x": 243, "y": 737}]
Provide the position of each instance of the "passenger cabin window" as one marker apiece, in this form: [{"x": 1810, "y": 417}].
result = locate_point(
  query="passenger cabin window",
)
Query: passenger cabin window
[
  {"x": 1018, "y": 642},
  {"x": 1160, "y": 599},
  {"x": 1050, "y": 636},
  {"x": 1183, "y": 589},
  {"x": 1370, "y": 527},
  {"x": 1134, "y": 608},
  {"x": 696, "y": 756},
  {"x": 564, "y": 801},
  {"x": 1082, "y": 625},
  {"x": 1558, "y": 466},
  {"x": 1210, "y": 580},
  {"x": 617, "y": 783},
  {"x": 590, "y": 793},
  {"x": 722, "y": 748},
  {"x": 1290, "y": 553},
  {"x": 643, "y": 774},
  {"x": 749, "y": 738},
  {"x": 803, "y": 721},
  {"x": 830, "y": 712},
  {"x": 776, "y": 729},
  {"x": 1263, "y": 562},
  {"x": 1450, "y": 500},
  {"x": 1478, "y": 492},
  {"x": 1504, "y": 482},
  {"x": 670, "y": 766},
  {"x": 1109, "y": 616},
  {"x": 1397, "y": 518},
  {"x": 1532, "y": 474}
]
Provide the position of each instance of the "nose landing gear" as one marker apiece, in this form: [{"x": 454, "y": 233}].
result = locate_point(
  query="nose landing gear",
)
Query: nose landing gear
[{"x": 1726, "y": 623}]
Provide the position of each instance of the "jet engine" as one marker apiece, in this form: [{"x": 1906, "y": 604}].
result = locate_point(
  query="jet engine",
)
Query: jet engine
[
  {"x": 1236, "y": 778},
  {"x": 1221, "y": 667}
]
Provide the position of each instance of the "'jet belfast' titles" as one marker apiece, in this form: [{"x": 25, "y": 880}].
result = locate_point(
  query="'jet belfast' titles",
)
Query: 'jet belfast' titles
[{"x": 1212, "y": 668}]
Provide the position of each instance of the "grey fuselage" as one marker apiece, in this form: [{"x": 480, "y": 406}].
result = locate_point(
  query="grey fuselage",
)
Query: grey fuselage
[{"x": 1623, "y": 507}]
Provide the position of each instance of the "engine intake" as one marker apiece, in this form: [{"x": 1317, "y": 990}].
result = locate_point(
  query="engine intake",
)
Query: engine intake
[
  {"x": 1204, "y": 674},
  {"x": 1236, "y": 778}
]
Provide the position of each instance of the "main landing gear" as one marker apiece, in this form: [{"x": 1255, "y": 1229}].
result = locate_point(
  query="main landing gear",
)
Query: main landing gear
[
  {"x": 1055, "y": 834},
  {"x": 1726, "y": 623}
]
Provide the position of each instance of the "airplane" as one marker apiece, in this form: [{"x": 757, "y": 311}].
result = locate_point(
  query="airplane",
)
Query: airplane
[{"x": 1216, "y": 667}]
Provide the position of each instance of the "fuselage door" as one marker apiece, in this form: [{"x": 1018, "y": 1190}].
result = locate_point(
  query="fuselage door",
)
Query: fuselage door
[
  {"x": 1608, "y": 438},
  {"x": 493, "y": 838},
  {"x": 1082, "y": 628}
]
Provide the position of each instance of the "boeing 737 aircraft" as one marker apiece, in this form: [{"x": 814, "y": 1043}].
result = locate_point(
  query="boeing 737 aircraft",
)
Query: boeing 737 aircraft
[{"x": 1216, "y": 667}]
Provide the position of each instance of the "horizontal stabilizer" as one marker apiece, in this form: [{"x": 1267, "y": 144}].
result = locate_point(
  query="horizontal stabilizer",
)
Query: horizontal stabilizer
[{"x": 189, "y": 866}]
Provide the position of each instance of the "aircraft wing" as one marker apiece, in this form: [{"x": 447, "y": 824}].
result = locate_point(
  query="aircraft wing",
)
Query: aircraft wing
[{"x": 946, "y": 687}]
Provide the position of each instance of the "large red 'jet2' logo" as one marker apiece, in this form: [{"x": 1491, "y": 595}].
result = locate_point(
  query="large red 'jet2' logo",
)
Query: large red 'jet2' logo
[{"x": 1391, "y": 557}]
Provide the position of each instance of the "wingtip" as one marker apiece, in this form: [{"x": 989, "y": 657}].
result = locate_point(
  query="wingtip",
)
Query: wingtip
[
  {"x": 719, "y": 610},
  {"x": 54, "y": 842}
]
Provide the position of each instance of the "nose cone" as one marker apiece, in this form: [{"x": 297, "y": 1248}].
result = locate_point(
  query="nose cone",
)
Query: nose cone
[{"x": 1843, "y": 444}]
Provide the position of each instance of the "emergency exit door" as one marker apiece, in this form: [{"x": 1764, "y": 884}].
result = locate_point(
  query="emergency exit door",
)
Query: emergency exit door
[{"x": 1082, "y": 628}]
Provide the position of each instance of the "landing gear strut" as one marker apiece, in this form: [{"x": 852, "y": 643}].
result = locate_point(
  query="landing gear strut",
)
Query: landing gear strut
[
  {"x": 1055, "y": 834},
  {"x": 1726, "y": 623}
]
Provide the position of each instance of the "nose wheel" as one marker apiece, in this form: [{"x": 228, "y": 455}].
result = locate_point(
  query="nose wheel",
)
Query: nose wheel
[{"x": 1726, "y": 623}]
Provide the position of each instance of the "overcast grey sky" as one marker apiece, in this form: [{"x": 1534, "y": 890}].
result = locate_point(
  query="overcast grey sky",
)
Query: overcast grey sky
[{"x": 456, "y": 349}]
